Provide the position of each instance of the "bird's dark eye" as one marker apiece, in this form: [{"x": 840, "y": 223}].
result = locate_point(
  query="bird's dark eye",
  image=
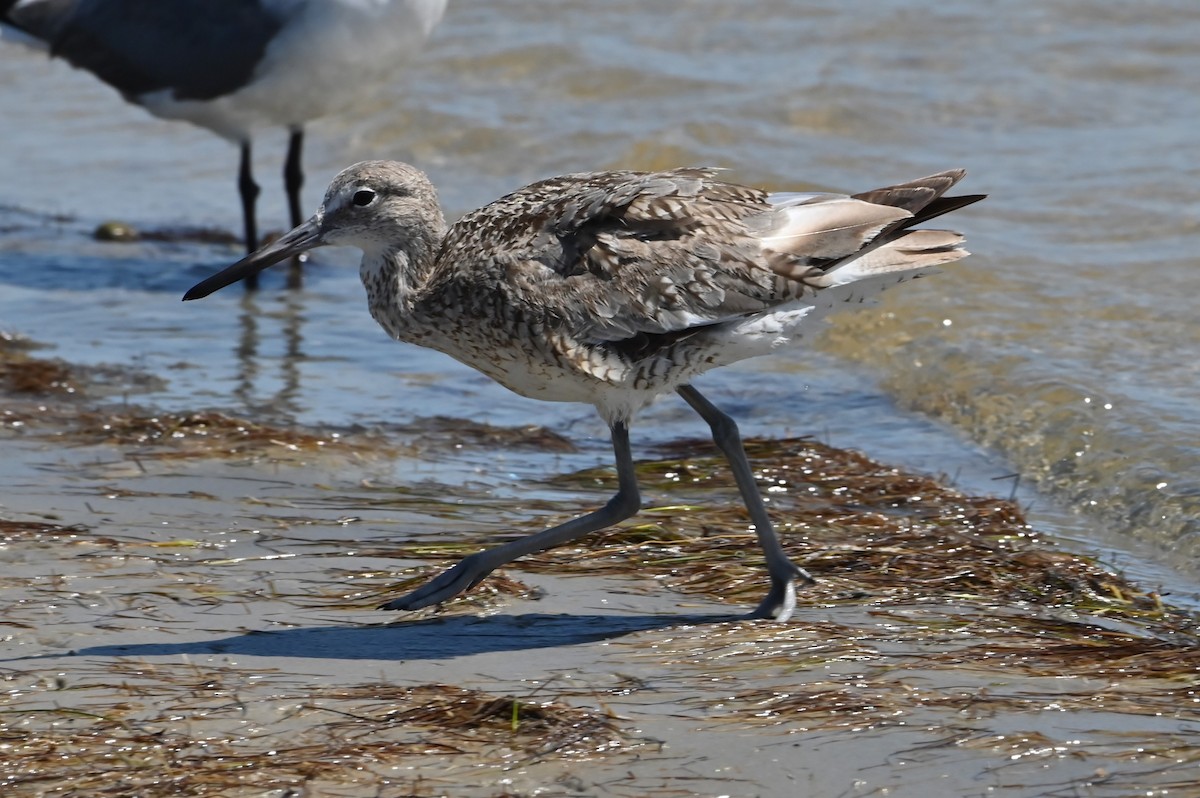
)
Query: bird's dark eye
[{"x": 363, "y": 197}]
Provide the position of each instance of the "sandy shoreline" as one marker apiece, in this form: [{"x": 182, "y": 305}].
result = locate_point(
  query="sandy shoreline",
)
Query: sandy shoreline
[{"x": 187, "y": 612}]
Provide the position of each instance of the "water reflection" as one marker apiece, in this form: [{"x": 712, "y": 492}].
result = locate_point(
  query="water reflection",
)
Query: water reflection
[{"x": 276, "y": 395}]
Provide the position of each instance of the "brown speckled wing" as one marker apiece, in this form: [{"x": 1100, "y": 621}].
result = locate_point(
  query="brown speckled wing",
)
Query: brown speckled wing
[{"x": 609, "y": 255}]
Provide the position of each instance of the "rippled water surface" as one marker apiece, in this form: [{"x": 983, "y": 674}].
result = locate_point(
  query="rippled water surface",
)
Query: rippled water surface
[{"x": 1067, "y": 345}]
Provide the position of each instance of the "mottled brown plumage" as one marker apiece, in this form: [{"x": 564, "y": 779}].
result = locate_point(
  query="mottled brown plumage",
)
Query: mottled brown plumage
[{"x": 612, "y": 288}]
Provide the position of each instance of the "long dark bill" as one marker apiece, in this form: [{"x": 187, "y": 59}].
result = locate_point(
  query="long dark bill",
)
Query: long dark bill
[{"x": 301, "y": 239}]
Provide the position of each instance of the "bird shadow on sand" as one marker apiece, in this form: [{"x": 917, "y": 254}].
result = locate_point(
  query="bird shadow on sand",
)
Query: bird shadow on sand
[{"x": 439, "y": 638}]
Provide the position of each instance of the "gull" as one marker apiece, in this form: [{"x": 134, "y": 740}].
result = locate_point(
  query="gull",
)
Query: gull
[
  {"x": 613, "y": 288},
  {"x": 234, "y": 66}
]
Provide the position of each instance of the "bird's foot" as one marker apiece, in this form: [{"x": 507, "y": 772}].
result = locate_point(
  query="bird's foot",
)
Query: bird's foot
[
  {"x": 780, "y": 602},
  {"x": 443, "y": 587}
]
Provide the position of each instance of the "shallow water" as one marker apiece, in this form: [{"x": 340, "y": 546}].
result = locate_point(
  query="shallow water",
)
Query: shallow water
[{"x": 1067, "y": 344}]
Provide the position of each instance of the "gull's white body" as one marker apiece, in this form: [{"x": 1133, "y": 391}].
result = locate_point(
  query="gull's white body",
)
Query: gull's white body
[
  {"x": 314, "y": 57},
  {"x": 234, "y": 66}
]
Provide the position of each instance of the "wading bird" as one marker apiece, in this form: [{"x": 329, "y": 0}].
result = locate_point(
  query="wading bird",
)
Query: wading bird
[{"x": 613, "y": 288}]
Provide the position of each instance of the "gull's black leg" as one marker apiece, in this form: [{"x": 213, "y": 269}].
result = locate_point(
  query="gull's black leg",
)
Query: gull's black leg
[
  {"x": 293, "y": 181},
  {"x": 249, "y": 191}
]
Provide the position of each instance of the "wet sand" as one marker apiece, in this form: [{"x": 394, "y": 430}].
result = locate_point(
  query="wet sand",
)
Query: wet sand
[{"x": 187, "y": 611}]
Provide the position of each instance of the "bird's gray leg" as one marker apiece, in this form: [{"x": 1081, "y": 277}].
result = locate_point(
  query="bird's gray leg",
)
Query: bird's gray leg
[
  {"x": 293, "y": 181},
  {"x": 472, "y": 569},
  {"x": 781, "y": 600},
  {"x": 248, "y": 190}
]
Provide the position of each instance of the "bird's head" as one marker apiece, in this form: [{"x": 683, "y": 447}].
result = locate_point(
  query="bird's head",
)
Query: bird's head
[{"x": 380, "y": 207}]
